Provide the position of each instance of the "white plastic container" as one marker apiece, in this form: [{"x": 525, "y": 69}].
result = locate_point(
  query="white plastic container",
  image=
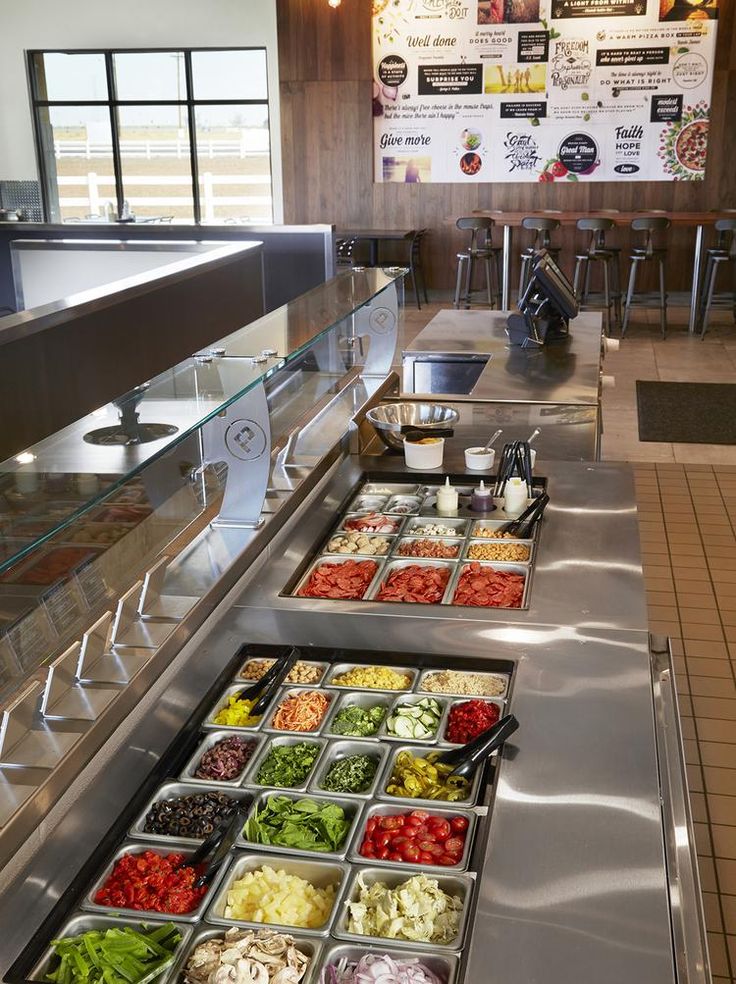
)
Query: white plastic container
[
  {"x": 423, "y": 456},
  {"x": 479, "y": 459},
  {"x": 515, "y": 498}
]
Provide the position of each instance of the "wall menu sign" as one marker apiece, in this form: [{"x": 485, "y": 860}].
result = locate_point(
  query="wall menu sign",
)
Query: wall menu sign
[{"x": 542, "y": 90}]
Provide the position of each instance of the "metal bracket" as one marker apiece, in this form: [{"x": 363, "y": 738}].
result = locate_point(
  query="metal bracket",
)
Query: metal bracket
[
  {"x": 378, "y": 321},
  {"x": 154, "y": 604},
  {"x": 129, "y": 630},
  {"x": 97, "y": 664},
  {"x": 25, "y": 740},
  {"x": 240, "y": 436},
  {"x": 65, "y": 697}
]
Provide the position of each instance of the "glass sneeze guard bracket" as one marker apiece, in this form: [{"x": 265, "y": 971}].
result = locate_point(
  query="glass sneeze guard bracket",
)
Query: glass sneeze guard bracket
[
  {"x": 154, "y": 603},
  {"x": 99, "y": 664},
  {"x": 25, "y": 739},
  {"x": 129, "y": 630},
  {"x": 240, "y": 437},
  {"x": 377, "y": 321},
  {"x": 65, "y": 697}
]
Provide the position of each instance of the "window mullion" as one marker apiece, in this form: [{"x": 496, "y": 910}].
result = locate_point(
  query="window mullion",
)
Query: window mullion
[
  {"x": 194, "y": 163},
  {"x": 116, "y": 159}
]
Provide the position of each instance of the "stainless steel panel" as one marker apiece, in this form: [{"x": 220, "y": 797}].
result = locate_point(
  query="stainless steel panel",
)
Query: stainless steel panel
[
  {"x": 318, "y": 873},
  {"x": 353, "y": 813},
  {"x": 455, "y": 884}
]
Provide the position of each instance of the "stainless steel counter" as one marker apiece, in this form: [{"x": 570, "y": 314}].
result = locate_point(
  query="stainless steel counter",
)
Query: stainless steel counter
[{"x": 566, "y": 371}]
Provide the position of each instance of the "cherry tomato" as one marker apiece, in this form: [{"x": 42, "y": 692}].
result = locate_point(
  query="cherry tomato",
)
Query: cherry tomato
[
  {"x": 382, "y": 853},
  {"x": 368, "y": 851},
  {"x": 391, "y": 823},
  {"x": 425, "y": 858},
  {"x": 422, "y": 831},
  {"x": 411, "y": 853},
  {"x": 382, "y": 839},
  {"x": 440, "y": 828},
  {"x": 454, "y": 845},
  {"x": 371, "y": 825},
  {"x": 367, "y": 844},
  {"x": 410, "y": 832},
  {"x": 459, "y": 824},
  {"x": 400, "y": 842},
  {"x": 447, "y": 859},
  {"x": 421, "y": 814},
  {"x": 413, "y": 820},
  {"x": 396, "y": 856},
  {"x": 430, "y": 847}
]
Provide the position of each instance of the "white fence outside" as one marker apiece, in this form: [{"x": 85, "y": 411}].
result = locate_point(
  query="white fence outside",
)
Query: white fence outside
[{"x": 252, "y": 143}]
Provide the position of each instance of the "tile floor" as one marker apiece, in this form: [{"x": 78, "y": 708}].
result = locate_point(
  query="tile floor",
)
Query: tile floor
[{"x": 689, "y": 559}]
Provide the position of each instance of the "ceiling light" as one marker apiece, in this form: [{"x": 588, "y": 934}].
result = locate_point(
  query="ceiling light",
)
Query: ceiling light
[{"x": 334, "y": 3}]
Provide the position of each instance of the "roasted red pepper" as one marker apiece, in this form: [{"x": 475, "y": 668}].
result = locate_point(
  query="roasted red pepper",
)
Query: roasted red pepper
[
  {"x": 468, "y": 719},
  {"x": 148, "y": 882}
]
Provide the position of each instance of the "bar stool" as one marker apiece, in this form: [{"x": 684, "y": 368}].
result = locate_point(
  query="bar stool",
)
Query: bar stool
[
  {"x": 542, "y": 229},
  {"x": 643, "y": 254},
  {"x": 608, "y": 258},
  {"x": 480, "y": 248},
  {"x": 724, "y": 252},
  {"x": 407, "y": 252}
]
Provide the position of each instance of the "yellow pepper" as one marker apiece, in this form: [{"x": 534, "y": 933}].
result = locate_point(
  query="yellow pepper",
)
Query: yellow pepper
[{"x": 236, "y": 714}]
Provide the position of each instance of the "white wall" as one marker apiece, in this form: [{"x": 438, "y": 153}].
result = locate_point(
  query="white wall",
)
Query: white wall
[{"x": 43, "y": 24}]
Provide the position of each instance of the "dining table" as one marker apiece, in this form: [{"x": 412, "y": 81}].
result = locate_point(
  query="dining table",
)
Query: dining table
[
  {"x": 375, "y": 236},
  {"x": 696, "y": 220}
]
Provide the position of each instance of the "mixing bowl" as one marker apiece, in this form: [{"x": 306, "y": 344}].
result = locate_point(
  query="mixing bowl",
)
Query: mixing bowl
[{"x": 389, "y": 418}]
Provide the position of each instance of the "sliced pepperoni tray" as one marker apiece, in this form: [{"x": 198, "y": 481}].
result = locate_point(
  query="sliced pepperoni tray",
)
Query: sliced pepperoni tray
[{"x": 430, "y": 560}]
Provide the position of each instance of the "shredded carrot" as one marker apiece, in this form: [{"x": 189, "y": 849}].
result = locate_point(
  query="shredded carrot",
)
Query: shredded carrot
[{"x": 301, "y": 712}]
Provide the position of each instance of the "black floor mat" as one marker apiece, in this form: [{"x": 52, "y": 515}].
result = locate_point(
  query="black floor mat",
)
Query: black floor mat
[{"x": 686, "y": 413}]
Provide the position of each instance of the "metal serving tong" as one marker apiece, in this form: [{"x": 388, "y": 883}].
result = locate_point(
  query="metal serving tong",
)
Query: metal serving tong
[
  {"x": 467, "y": 759},
  {"x": 217, "y": 845},
  {"x": 289, "y": 657},
  {"x": 516, "y": 459},
  {"x": 263, "y": 701},
  {"x": 523, "y": 525}
]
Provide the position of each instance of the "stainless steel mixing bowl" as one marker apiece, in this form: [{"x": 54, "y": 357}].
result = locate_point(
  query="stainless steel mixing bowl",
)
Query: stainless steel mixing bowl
[{"x": 389, "y": 418}]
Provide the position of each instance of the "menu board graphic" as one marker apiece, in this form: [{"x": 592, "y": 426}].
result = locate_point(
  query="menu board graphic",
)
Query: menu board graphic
[{"x": 542, "y": 90}]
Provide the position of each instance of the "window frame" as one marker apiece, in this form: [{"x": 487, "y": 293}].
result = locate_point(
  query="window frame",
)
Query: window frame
[{"x": 113, "y": 103}]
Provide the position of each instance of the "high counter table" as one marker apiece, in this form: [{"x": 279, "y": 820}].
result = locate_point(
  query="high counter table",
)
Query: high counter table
[{"x": 511, "y": 220}]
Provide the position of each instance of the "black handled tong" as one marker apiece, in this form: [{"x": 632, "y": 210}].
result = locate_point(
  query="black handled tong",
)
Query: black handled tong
[{"x": 466, "y": 760}]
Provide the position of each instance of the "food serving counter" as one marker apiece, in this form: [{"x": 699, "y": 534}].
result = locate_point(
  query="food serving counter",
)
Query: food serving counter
[{"x": 571, "y": 851}]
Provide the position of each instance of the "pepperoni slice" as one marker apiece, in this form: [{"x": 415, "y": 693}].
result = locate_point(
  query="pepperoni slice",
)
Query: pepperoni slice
[
  {"x": 486, "y": 587},
  {"x": 416, "y": 584}
]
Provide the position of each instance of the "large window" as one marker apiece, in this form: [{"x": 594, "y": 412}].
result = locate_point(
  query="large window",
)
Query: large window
[{"x": 168, "y": 136}]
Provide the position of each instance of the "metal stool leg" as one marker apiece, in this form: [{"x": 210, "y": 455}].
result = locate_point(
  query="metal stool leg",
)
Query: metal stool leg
[
  {"x": 458, "y": 284},
  {"x": 487, "y": 264},
  {"x": 469, "y": 281},
  {"x": 586, "y": 288},
  {"x": 662, "y": 299},
  {"x": 525, "y": 261},
  {"x": 629, "y": 296},
  {"x": 576, "y": 277},
  {"x": 703, "y": 291},
  {"x": 606, "y": 295},
  {"x": 711, "y": 284},
  {"x": 616, "y": 269},
  {"x": 499, "y": 281}
]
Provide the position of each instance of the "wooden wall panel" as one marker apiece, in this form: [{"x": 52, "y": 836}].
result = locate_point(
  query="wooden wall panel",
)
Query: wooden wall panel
[{"x": 325, "y": 70}]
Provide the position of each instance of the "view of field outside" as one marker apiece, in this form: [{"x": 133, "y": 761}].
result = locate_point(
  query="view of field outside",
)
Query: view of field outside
[{"x": 232, "y": 140}]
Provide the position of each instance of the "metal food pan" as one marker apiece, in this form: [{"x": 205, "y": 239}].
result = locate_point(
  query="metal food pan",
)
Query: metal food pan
[
  {"x": 422, "y": 751},
  {"x": 339, "y": 668},
  {"x": 399, "y": 541},
  {"x": 257, "y": 760},
  {"x": 322, "y": 666},
  {"x": 353, "y": 812},
  {"x": 395, "y": 565},
  {"x": 338, "y": 559},
  {"x": 85, "y": 922},
  {"x": 211, "y": 738},
  {"x": 318, "y": 873},
  {"x": 485, "y": 541},
  {"x": 443, "y": 965},
  {"x": 138, "y": 847},
  {"x": 386, "y": 810},
  {"x": 396, "y": 505},
  {"x": 171, "y": 790},
  {"x": 498, "y": 701},
  {"x": 524, "y": 570},
  {"x": 368, "y": 502},
  {"x": 363, "y": 698},
  {"x": 501, "y": 677},
  {"x": 444, "y": 703},
  {"x": 394, "y": 488},
  {"x": 209, "y": 721},
  {"x": 283, "y": 695},
  {"x": 454, "y": 884},
  {"x": 336, "y": 555},
  {"x": 311, "y": 948},
  {"x": 398, "y": 520},
  {"x": 417, "y": 522},
  {"x": 337, "y": 750}
]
